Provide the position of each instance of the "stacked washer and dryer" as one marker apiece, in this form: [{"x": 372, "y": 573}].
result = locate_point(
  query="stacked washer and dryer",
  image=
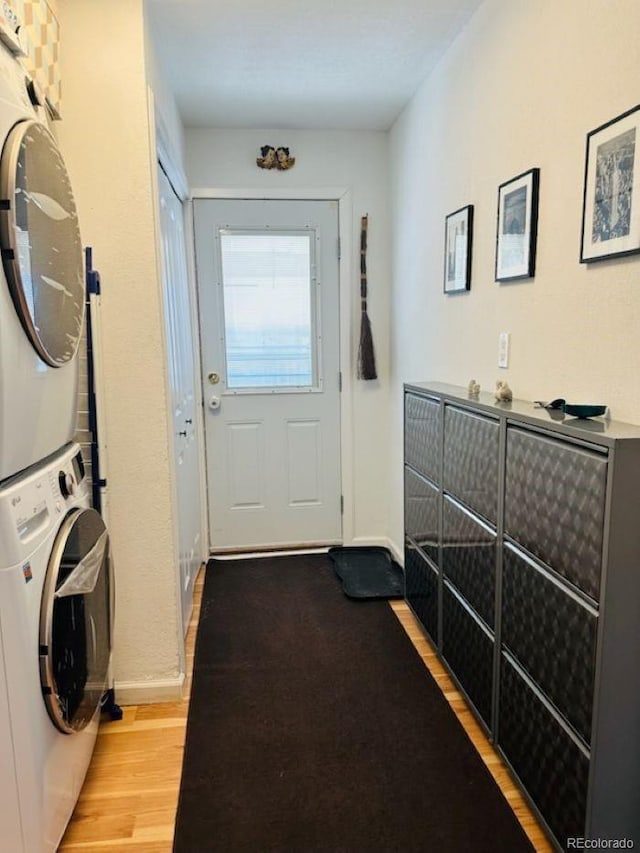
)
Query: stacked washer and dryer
[{"x": 56, "y": 582}]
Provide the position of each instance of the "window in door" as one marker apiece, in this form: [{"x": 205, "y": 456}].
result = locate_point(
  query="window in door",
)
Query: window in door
[{"x": 270, "y": 306}]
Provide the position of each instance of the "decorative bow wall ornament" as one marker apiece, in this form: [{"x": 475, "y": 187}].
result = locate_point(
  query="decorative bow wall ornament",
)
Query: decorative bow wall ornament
[{"x": 275, "y": 158}]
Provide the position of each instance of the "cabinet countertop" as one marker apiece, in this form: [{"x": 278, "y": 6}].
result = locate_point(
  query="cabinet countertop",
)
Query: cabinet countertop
[{"x": 599, "y": 430}]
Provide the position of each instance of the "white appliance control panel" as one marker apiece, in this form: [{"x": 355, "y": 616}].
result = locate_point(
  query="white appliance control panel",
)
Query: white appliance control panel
[
  {"x": 30, "y": 505},
  {"x": 10, "y": 30}
]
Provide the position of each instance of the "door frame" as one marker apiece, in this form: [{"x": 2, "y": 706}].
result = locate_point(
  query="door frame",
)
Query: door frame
[
  {"x": 162, "y": 152},
  {"x": 341, "y": 195}
]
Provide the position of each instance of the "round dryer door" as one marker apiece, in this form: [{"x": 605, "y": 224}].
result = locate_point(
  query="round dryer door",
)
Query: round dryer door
[
  {"x": 41, "y": 247},
  {"x": 76, "y": 621}
]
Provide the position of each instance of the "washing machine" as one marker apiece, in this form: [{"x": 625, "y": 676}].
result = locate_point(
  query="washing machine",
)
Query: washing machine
[
  {"x": 56, "y": 610},
  {"x": 41, "y": 280}
]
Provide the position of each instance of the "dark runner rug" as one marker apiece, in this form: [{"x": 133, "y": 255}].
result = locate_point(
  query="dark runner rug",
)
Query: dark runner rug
[{"x": 315, "y": 726}]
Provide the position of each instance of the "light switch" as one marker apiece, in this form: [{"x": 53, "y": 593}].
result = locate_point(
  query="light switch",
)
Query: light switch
[{"x": 503, "y": 349}]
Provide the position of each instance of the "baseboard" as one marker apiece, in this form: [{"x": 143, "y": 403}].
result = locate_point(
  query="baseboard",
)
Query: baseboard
[
  {"x": 381, "y": 542},
  {"x": 398, "y": 553},
  {"x": 149, "y": 692},
  {"x": 246, "y": 555},
  {"x": 356, "y": 542}
]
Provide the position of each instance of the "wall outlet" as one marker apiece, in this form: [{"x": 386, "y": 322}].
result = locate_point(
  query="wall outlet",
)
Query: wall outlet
[{"x": 503, "y": 349}]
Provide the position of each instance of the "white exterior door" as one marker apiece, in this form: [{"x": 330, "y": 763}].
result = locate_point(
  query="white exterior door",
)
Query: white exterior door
[
  {"x": 179, "y": 333},
  {"x": 268, "y": 290}
]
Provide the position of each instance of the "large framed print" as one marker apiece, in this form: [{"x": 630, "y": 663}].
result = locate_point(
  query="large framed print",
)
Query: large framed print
[
  {"x": 611, "y": 205},
  {"x": 517, "y": 229},
  {"x": 458, "y": 238}
]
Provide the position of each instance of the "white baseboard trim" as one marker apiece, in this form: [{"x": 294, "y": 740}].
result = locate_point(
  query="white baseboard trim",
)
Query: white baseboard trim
[
  {"x": 398, "y": 553},
  {"x": 381, "y": 542},
  {"x": 370, "y": 541},
  {"x": 246, "y": 555},
  {"x": 149, "y": 692},
  {"x": 356, "y": 542}
]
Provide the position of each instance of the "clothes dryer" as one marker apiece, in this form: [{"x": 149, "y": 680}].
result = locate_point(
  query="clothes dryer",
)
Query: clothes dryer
[
  {"x": 41, "y": 281},
  {"x": 56, "y": 609}
]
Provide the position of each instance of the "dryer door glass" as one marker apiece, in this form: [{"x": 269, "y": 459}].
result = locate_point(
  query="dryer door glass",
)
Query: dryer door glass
[
  {"x": 41, "y": 247},
  {"x": 76, "y": 621}
]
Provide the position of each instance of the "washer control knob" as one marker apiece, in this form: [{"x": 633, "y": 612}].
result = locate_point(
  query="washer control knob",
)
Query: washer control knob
[{"x": 67, "y": 484}]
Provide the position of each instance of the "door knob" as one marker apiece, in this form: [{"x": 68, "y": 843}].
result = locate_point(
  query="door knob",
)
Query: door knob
[
  {"x": 214, "y": 378},
  {"x": 214, "y": 403}
]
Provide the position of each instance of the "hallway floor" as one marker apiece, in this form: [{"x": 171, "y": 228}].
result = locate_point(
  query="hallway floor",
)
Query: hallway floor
[{"x": 130, "y": 795}]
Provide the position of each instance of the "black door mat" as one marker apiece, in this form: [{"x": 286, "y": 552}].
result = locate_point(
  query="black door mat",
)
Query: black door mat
[{"x": 368, "y": 572}]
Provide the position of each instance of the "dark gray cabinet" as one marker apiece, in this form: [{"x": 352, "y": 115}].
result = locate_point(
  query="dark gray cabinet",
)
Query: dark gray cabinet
[
  {"x": 422, "y": 435},
  {"x": 421, "y": 588},
  {"x": 467, "y": 646},
  {"x": 469, "y": 559},
  {"x": 555, "y": 504},
  {"x": 552, "y": 634},
  {"x": 471, "y": 460},
  {"x": 421, "y": 501},
  {"x": 552, "y": 766},
  {"x": 522, "y": 560}
]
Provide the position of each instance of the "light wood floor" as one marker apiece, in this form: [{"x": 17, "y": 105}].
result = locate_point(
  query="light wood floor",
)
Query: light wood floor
[{"x": 130, "y": 794}]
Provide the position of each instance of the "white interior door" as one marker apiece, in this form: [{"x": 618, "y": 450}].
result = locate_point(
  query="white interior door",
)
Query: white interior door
[
  {"x": 268, "y": 289},
  {"x": 183, "y": 381}
]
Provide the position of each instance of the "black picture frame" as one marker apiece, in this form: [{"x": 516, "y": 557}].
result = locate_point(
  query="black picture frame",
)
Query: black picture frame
[
  {"x": 517, "y": 227},
  {"x": 611, "y": 196},
  {"x": 458, "y": 243}
]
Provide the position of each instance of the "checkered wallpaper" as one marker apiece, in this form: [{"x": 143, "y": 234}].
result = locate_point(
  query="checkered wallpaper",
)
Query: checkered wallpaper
[{"x": 43, "y": 46}]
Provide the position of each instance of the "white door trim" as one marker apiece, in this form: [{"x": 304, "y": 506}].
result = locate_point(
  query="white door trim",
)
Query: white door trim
[
  {"x": 345, "y": 222},
  {"x": 154, "y": 132},
  {"x": 166, "y": 154},
  {"x": 199, "y": 409},
  {"x": 160, "y": 150}
]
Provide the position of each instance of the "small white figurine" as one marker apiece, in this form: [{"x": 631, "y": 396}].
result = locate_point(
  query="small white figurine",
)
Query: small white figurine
[
  {"x": 473, "y": 388},
  {"x": 503, "y": 394}
]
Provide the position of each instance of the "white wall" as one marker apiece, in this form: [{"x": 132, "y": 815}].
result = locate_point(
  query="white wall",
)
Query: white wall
[
  {"x": 105, "y": 138},
  {"x": 357, "y": 161},
  {"x": 521, "y": 87},
  {"x": 166, "y": 111}
]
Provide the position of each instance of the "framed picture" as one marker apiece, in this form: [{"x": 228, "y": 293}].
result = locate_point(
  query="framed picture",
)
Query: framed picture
[
  {"x": 611, "y": 206},
  {"x": 517, "y": 230},
  {"x": 458, "y": 235}
]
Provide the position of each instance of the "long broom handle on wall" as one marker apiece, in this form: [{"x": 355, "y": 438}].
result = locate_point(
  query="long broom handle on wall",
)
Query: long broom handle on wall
[{"x": 366, "y": 351}]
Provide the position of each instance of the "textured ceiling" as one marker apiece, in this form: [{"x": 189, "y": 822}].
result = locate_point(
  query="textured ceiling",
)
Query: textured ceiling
[{"x": 352, "y": 64}]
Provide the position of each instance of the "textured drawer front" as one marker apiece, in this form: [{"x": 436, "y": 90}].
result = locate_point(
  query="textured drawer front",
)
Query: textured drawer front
[
  {"x": 469, "y": 652},
  {"x": 553, "y": 637},
  {"x": 421, "y": 513},
  {"x": 471, "y": 460},
  {"x": 554, "y": 505},
  {"x": 469, "y": 559},
  {"x": 553, "y": 769},
  {"x": 422, "y": 435},
  {"x": 421, "y": 589}
]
